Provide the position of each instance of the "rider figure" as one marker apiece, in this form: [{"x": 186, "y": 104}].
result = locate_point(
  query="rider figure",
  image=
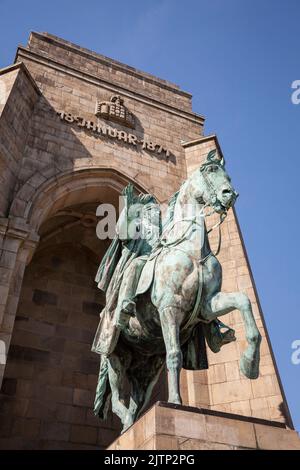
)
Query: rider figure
[{"x": 147, "y": 230}]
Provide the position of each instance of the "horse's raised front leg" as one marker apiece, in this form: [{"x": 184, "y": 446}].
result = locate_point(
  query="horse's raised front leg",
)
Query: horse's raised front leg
[
  {"x": 170, "y": 323},
  {"x": 223, "y": 303}
]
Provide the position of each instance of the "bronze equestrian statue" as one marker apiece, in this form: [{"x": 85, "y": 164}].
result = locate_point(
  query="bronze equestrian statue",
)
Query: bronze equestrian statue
[{"x": 163, "y": 295}]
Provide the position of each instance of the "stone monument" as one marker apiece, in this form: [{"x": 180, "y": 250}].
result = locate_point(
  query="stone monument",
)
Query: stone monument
[{"x": 76, "y": 129}]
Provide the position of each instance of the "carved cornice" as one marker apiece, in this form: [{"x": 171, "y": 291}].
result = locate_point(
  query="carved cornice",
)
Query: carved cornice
[
  {"x": 109, "y": 62},
  {"x": 24, "y": 53},
  {"x": 202, "y": 140}
]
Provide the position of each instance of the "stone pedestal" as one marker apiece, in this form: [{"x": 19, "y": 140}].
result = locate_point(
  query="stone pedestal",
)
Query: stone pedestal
[{"x": 172, "y": 427}]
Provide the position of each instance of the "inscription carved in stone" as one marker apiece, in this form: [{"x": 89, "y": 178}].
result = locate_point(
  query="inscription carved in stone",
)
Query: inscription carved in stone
[{"x": 101, "y": 130}]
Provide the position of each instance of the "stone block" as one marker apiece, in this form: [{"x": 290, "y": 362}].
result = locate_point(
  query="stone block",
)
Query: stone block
[
  {"x": 55, "y": 431},
  {"x": 232, "y": 371},
  {"x": 70, "y": 414},
  {"x": 161, "y": 441},
  {"x": 229, "y": 392},
  {"x": 26, "y": 427},
  {"x": 9, "y": 386},
  {"x": 83, "y": 434},
  {"x": 173, "y": 427},
  {"x": 83, "y": 397},
  {"x": 28, "y": 354},
  {"x": 44, "y": 298},
  {"x": 92, "y": 308},
  {"x": 230, "y": 431},
  {"x": 6, "y": 425},
  {"x": 194, "y": 428},
  {"x": 150, "y": 444},
  {"x": 218, "y": 374},
  {"x": 106, "y": 436},
  {"x": 195, "y": 444},
  {"x": 241, "y": 407},
  {"x": 272, "y": 438},
  {"x": 263, "y": 387}
]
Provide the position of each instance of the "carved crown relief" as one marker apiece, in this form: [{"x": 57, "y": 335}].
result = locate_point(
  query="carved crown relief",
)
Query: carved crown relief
[{"x": 114, "y": 110}]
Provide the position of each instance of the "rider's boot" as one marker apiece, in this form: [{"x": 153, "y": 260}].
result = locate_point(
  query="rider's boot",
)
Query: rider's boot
[{"x": 126, "y": 307}]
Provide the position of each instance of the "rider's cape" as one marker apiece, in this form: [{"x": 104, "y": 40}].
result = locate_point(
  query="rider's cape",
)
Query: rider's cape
[
  {"x": 118, "y": 257},
  {"x": 108, "y": 265},
  {"x": 109, "y": 278}
]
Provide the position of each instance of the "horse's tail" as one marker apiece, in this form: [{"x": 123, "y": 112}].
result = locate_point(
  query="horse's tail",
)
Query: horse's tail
[{"x": 103, "y": 393}]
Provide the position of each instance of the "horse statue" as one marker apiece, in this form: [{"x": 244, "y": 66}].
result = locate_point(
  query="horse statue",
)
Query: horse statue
[{"x": 163, "y": 296}]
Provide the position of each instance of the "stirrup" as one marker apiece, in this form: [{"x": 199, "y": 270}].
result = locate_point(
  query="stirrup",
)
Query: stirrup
[
  {"x": 128, "y": 307},
  {"x": 215, "y": 338},
  {"x": 228, "y": 335}
]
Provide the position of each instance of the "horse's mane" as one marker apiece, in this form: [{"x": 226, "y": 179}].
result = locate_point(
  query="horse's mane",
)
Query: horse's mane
[{"x": 171, "y": 209}]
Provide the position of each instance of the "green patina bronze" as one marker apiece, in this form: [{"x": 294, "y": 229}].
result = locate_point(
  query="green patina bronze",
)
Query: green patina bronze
[{"x": 163, "y": 296}]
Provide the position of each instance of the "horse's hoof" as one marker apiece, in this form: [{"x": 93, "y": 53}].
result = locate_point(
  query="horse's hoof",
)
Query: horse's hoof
[
  {"x": 249, "y": 367},
  {"x": 175, "y": 401},
  {"x": 126, "y": 426}
]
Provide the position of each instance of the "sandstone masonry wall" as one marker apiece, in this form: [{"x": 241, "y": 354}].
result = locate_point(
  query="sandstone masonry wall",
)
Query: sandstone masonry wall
[
  {"x": 48, "y": 164},
  {"x": 18, "y": 97},
  {"x": 222, "y": 387}
]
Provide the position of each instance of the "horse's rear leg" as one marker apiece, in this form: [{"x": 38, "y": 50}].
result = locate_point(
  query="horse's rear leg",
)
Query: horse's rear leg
[
  {"x": 117, "y": 373},
  {"x": 171, "y": 318},
  {"x": 223, "y": 303}
]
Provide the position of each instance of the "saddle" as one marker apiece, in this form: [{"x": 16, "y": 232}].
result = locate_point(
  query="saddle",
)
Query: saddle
[{"x": 147, "y": 274}]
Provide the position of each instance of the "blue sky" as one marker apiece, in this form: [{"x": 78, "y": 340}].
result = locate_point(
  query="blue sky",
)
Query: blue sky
[{"x": 238, "y": 58}]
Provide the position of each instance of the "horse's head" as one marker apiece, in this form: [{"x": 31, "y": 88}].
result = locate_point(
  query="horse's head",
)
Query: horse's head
[{"x": 214, "y": 188}]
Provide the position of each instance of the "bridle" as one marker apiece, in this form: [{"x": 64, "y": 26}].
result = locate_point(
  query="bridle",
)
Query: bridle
[{"x": 213, "y": 199}]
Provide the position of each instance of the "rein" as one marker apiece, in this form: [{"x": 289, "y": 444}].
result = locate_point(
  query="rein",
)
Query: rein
[
  {"x": 213, "y": 199},
  {"x": 217, "y": 225},
  {"x": 193, "y": 221}
]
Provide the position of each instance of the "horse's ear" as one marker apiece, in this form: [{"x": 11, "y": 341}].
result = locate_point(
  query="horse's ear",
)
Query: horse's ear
[{"x": 212, "y": 156}]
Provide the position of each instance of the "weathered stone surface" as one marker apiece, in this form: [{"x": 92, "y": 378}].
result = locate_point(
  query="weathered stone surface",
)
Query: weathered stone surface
[
  {"x": 44, "y": 298},
  {"x": 50, "y": 368},
  {"x": 275, "y": 439},
  {"x": 199, "y": 430}
]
